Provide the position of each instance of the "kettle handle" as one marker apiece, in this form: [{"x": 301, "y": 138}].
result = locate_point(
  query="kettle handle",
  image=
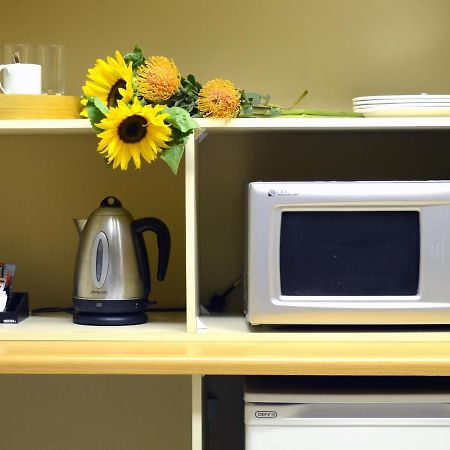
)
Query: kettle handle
[{"x": 163, "y": 239}]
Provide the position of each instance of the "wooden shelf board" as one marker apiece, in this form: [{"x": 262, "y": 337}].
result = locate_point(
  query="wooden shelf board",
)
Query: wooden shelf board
[
  {"x": 161, "y": 326},
  {"x": 227, "y": 358},
  {"x": 322, "y": 123},
  {"x": 172, "y": 327},
  {"x": 46, "y": 126},
  {"x": 82, "y": 126},
  {"x": 236, "y": 329},
  {"x": 56, "y": 346}
]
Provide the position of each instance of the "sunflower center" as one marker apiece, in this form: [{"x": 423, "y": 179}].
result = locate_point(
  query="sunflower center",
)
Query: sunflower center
[
  {"x": 133, "y": 129},
  {"x": 114, "y": 95}
]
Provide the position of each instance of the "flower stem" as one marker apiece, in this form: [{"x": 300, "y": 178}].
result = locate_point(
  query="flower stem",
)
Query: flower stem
[{"x": 316, "y": 112}]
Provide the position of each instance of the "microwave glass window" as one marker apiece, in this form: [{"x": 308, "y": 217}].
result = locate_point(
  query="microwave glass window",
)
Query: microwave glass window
[{"x": 349, "y": 253}]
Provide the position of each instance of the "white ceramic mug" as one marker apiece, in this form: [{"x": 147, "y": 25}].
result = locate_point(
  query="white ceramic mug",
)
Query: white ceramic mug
[{"x": 21, "y": 79}]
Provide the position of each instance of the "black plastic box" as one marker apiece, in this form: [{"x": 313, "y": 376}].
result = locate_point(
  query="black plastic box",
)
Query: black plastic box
[{"x": 16, "y": 308}]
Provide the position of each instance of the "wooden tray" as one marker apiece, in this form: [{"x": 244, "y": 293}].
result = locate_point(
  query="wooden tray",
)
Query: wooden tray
[{"x": 29, "y": 106}]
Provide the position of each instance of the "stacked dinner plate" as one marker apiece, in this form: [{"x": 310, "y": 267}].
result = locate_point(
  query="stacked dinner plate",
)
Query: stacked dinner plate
[{"x": 423, "y": 105}]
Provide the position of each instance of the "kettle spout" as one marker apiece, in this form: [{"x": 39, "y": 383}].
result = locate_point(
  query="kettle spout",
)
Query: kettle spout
[{"x": 80, "y": 223}]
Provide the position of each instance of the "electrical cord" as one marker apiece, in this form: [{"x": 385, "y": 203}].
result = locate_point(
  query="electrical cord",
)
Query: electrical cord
[
  {"x": 52, "y": 309},
  {"x": 72, "y": 311},
  {"x": 166, "y": 310},
  {"x": 218, "y": 302}
]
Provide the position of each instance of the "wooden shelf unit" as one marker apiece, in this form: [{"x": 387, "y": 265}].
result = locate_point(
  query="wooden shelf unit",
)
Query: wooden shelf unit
[
  {"x": 202, "y": 344},
  {"x": 197, "y": 344}
]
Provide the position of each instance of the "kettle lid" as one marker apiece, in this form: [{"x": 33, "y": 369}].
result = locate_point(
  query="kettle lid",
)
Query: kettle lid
[{"x": 111, "y": 206}]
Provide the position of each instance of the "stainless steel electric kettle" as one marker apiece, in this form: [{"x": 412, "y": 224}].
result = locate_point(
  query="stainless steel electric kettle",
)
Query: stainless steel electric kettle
[{"x": 112, "y": 274}]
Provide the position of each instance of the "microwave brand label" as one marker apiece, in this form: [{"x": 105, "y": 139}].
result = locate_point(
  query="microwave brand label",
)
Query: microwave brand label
[
  {"x": 266, "y": 414},
  {"x": 277, "y": 192}
]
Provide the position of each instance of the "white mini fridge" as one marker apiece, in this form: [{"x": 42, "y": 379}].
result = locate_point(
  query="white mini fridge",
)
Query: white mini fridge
[{"x": 284, "y": 413}]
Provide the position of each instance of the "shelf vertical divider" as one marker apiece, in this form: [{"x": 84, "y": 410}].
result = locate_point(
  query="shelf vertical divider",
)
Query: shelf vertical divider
[
  {"x": 192, "y": 301},
  {"x": 197, "y": 413}
]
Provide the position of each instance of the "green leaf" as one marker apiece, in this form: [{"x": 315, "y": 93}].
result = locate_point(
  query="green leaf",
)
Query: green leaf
[
  {"x": 180, "y": 119},
  {"x": 246, "y": 111},
  {"x": 191, "y": 78},
  {"x": 256, "y": 99},
  {"x": 187, "y": 95},
  {"x": 136, "y": 57},
  {"x": 94, "y": 114},
  {"x": 172, "y": 156},
  {"x": 101, "y": 106},
  {"x": 191, "y": 84}
]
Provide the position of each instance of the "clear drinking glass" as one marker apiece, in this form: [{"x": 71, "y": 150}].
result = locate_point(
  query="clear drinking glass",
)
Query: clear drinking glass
[
  {"x": 53, "y": 68},
  {"x": 51, "y": 58},
  {"x": 23, "y": 53}
]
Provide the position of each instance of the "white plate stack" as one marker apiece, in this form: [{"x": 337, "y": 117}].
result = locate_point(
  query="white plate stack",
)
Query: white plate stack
[{"x": 423, "y": 105}]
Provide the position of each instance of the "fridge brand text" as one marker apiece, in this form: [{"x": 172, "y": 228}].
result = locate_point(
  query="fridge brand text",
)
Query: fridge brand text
[{"x": 266, "y": 414}]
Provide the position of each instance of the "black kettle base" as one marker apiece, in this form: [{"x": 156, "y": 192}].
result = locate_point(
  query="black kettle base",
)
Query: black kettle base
[{"x": 82, "y": 318}]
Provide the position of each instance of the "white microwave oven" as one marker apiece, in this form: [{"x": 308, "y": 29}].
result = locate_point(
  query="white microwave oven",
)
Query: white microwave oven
[
  {"x": 291, "y": 415},
  {"x": 348, "y": 253}
]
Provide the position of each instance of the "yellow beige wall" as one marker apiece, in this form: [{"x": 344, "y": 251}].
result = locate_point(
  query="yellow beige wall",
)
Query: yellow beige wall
[
  {"x": 335, "y": 49},
  {"x": 95, "y": 413}
]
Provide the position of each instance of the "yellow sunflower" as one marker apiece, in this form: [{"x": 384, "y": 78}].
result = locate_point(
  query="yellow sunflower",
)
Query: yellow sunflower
[
  {"x": 132, "y": 131},
  {"x": 110, "y": 81},
  {"x": 219, "y": 99},
  {"x": 158, "y": 79}
]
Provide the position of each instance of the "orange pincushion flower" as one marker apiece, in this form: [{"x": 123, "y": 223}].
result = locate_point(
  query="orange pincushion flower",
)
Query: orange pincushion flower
[
  {"x": 219, "y": 99},
  {"x": 158, "y": 79}
]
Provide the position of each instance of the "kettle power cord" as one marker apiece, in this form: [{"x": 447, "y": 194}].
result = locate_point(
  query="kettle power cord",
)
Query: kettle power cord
[
  {"x": 218, "y": 302},
  {"x": 51, "y": 309},
  {"x": 72, "y": 311}
]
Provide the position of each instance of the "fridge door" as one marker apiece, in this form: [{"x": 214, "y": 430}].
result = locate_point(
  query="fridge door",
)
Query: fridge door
[{"x": 379, "y": 426}]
